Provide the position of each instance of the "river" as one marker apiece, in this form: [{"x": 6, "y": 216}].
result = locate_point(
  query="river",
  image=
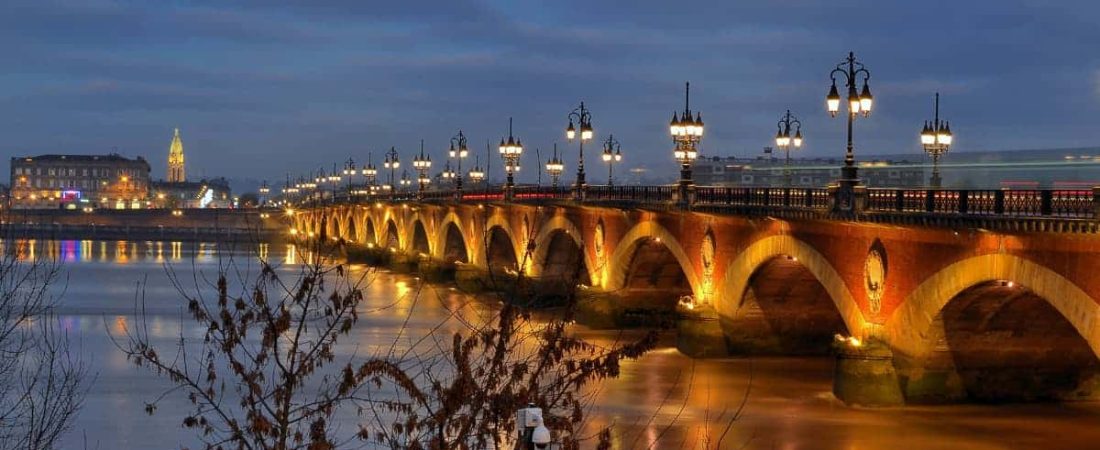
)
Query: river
[{"x": 789, "y": 404}]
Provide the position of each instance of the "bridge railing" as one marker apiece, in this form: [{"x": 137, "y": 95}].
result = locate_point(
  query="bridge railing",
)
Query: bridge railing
[
  {"x": 809, "y": 198},
  {"x": 1018, "y": 203},
  {"x": 640, "y": 194},
  {"x": 1071, "y": 203}
]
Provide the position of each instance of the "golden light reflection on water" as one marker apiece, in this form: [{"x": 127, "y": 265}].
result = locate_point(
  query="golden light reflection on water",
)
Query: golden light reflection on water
[{"x": 291, "y": 254}]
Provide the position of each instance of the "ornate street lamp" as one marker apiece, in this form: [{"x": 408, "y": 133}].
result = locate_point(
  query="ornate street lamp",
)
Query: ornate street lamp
[
  {"x": 612, "y": 153},
  {"x": 510, "y": 150},
  {"x": 370, "y": 173},
  {"x": 476, "y": 174},
  {"x": 583, "y": 119},
  {"x": 686, "y": 133},
  {"x": 555, "y": 167},
  {"x": 458, "y": 151},
  {"x": 858, "y": 104},
  {"x": 392, "y": 163},
  {"x": 448, "y": 174},
  {"x": 422, "y": 163},
  {"x": 785, "y": 141},
  {"x": 936, "y": 139}
]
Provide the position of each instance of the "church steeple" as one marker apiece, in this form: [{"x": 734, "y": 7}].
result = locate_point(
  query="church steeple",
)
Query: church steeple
[{"x": 175, "y": 160}]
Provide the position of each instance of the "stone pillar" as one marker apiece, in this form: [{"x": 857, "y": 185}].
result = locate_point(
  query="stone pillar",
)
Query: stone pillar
[{"x": 865, "y": 374}]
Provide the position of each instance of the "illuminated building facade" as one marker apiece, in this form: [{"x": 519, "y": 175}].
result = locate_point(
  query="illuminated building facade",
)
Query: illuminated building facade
[
  {"x": 176, "y": 173},
  {"x": 79, "y": 181}
]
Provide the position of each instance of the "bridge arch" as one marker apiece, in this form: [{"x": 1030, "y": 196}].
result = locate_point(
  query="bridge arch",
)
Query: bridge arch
[
  {"x": 420, "y": 242},
  {"x": 351, "y": 228},
  {"x": 558, "y": 249},
  {"x": 908, "y": 328},
  {"x": 500, "y": 252},
  {"x": 452, "y": 242},
  {"x": 391, "y": 237},
  {"x": 499, "y": 221},
  {"x": 648, "y": 234},
  {"x": 780, "y": 295},
  {"x": 370, "y": 235},
  {"x": 998, "y": 327},
  {"x": 780, "y": 259}
]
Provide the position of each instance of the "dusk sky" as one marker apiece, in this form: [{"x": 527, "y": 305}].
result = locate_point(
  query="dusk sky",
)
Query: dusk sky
[{"x": 261, "y": 88}]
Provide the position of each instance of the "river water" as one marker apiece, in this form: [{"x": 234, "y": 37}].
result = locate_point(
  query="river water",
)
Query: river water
[{"x": 663, "y": 400}]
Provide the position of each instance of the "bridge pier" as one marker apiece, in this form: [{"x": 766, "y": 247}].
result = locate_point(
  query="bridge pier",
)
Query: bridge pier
[
  {"x": 864, "y": 374},
  {"x": 699, "y": 333}
]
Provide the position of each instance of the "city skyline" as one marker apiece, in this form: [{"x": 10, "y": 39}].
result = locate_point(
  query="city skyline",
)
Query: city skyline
[{"x": 261, "y": 91}]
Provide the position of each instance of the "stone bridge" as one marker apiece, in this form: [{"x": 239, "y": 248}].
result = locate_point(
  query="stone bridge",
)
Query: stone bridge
[{"x": 917, "y": 306}]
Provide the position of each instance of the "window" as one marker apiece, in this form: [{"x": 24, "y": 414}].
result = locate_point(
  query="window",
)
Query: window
[{"x": 746, "y": 179}]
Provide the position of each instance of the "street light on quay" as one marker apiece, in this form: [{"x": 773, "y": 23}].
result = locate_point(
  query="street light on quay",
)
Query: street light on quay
[
  {"x": 392, "y": 163},
  {"x": 458, "y": 151},
  {"x": 422, "y": 164},
  {"x": 936, "y": 139},
  {"x": 686, "y": 133},
  {"x": 510, "y": 150},
  {"x": 612, "y": 154},
  {"x": 583, "y": 118},
  {"x": 554, "y": 167},
  {"x": 785, "y": 141},
  {"x": 859, "y": 104}
]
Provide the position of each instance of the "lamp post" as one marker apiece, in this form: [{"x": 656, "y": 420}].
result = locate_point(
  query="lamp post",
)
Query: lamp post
[
  {"x": 392, "y": 163},
  {"x": 422, "y": 163},
  {"x": 583, "y": 117},
  {"x": 476, "y": 174},
  {"x": 554, "y": 167},
  {"x": 510, "y": 150},
  {"x": 936, "y": 139},
  {"x": 334, "y": 180},
  {"x": 850, "y": 71},
  {"x": 370, "y": 173},
  {"x": 458, "y": 151},
  {"x": 686, "y": 133},
  {"x": 405, "y": 180},
  {"x": 349, "y": 174},
  {"x": 785, "y": 141},
  {"x": 264, "y": 190},
  {"x": 448, "y": 174},
  {"x": 612, "y": 153}
]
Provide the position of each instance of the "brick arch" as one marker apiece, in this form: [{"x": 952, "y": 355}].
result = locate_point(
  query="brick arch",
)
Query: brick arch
[
  {"x": 391, "y": 223},
  {"x": 542, "y": 244},
  {"x": 441, "y": 237},
  {"x": 351, "y": 228},
  {"x": 617, "y": 264},
  {"x": 763, "y": 251},
  {"x": 908, "y": 329},
  {"x": 370, "y": 232},
  {"x": 410, "y": 234},
  {"x": 499, "y": 219},
  {"x": 389, "y": 217}
]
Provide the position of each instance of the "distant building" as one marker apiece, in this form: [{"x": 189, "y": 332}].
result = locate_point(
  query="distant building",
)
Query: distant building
[
  {"x": 207, "y": 193},
  {"x": 75, "y": 181},
  {"x": 176, "y": 172},
  {"x": 768, "y": 171}
]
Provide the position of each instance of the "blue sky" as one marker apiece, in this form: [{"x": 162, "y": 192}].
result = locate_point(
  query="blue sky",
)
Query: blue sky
[{"x": 260, "y": 88}]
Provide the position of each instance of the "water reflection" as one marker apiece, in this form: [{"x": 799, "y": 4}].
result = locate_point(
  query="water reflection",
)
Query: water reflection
[{"x": 664, "y": 400}]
